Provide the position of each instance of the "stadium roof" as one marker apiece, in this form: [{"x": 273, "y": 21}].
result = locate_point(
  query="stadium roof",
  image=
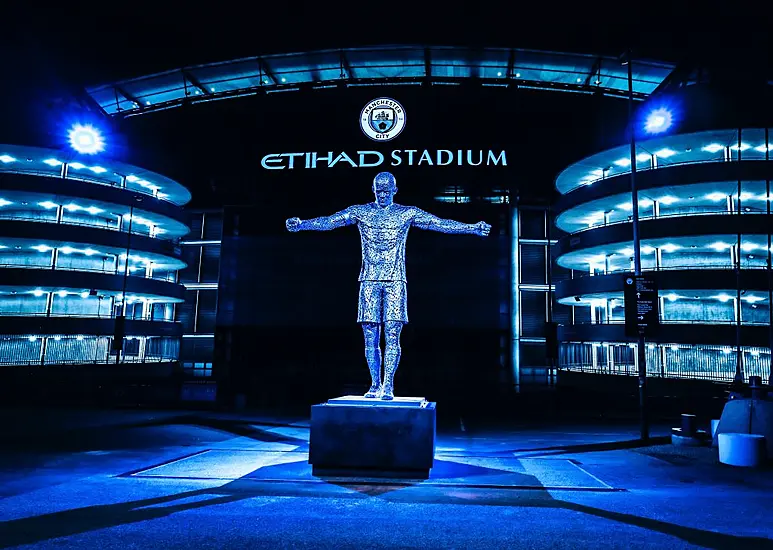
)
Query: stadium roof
[{"x": 436, "y": 65}]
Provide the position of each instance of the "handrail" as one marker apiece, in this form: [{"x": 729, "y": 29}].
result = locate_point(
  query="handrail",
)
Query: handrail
[
  {"x": 674, "y": 322},
  {"x": 698, "y": 267},
  {"x": 79, "y": 316},
  {"x": 667, "y": 215},
  {"x": 5, "y": 216},
  {"x": 113, "y": 271}
]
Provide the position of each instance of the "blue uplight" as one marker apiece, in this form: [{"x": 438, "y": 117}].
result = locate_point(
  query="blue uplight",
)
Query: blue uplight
[
  {"x": 86, "y": 139},
  {"x": 658, "y": 121}
]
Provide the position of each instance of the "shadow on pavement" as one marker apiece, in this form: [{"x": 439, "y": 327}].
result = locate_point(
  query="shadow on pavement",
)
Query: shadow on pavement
[
  {"x": 591, "y": 447},
  {"x": 66, "y": 523}
]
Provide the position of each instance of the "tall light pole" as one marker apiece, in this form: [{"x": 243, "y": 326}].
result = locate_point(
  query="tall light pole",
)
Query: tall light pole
[{"x": 640, "y": 350}]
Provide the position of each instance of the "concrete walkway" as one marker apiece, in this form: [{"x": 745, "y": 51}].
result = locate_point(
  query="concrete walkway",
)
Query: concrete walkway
[{"x": 145, "y": 479}]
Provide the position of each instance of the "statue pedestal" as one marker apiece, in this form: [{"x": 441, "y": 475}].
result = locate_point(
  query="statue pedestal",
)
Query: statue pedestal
[{"x": 356, "y": 437}]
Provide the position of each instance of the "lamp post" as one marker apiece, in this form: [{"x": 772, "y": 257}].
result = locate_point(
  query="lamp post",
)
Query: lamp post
[
  {"x": 640, "y": 350},
  {"x": 120, "y": 319}
]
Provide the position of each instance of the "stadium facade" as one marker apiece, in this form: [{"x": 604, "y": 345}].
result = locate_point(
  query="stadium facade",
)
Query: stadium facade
[{"x": 558, "y": 258}]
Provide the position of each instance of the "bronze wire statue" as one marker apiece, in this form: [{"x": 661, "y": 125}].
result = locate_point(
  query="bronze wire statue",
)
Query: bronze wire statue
[{"x": 383, "y": 301}]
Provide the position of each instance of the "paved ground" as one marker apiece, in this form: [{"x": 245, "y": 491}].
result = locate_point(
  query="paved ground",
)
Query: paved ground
[{"x": 108, "y": 479}]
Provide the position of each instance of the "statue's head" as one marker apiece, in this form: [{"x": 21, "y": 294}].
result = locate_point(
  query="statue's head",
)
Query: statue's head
[{"x": 384, "y": 187}]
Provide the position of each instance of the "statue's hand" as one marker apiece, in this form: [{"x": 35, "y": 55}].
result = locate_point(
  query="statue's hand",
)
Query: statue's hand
[
  {"x": 482, "y": 229},
  {"x": 293, "y": 224}
]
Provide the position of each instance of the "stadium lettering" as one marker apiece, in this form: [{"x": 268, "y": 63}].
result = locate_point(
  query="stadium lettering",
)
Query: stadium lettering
[{"x": 371, "y": 159}]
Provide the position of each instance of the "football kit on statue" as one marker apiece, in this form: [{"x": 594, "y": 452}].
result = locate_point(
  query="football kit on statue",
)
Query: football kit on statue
[{"x": 383, "y": 227}]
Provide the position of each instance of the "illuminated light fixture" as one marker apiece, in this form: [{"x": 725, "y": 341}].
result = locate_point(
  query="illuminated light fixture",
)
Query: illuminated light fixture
[
  {"x": 716, "y": 196},
  {"x": 79, "y": 337},
  {"x": 72, "y": 207},
  {"x": 723, "y": 297},
  {"x": 77, "y": 165},
  {"x": 284, "y": 79},
  {"x": 62, "y": 293},
  {"x": 52, "y": 162},
  {"x": 517, "y": 75},
  {"x": 42, "y": 248},
  {"x": 754, "y": 352},
  {"x": 2, "y": 246},
  {"x": 143, "y": 183},
  {"x": 647, "y": 249},
  {"x": 86, "y": 139},
  {"x": 645, "y": 203},
  {"x": 4, "y": 202},
  {"x": 67, "y": 250},
  {"x": 623, "y": 162},
  {"x": 85, "y": 294},
  {"x": 744, "y": 147},
  {"x": 672, "y": 297},
  {"x": 670, "y": 247},
  {"x": 658, "y": 121},
  {"x": 6, "y": 159},
  {"x": 499, "y": 73},
  {"x": 752, "y": 299},
  {"x": 668, "y": 199},
  {"x": 213, "y": 88},
  {"x": 625, "y": 206},
  {"x": 674, "y": 347},
  {"x": 761, "y": 148},
  {"x": 32, "y": 338},
  {"x": 162, "y": 195},
  {"x": 597, "y": 172},
  {"x": 720, "y": 246},
  {"x": 90, "y": 252},
  {"x": 643, "y": 157},
  {"x": 748, "y": 247},
  {"x": 665, "y": 153},
  {"x": 132, "y": 179},
  {"x": 626, "y": 251},
  {"x": 147, "y": 102},
  {"x": 265, "y": 81},
  {"x": 726, "y": 350},
  {"x": 98, "y": 169},
  {"x": 746, "y": 196},
  {"x": 579, "y": 79},
  {"x": 94, "y": 210},
  {"x": 712, "y": 148},
  {"x": 48, "y": 204},
  {"x": 37, "y": 292}
]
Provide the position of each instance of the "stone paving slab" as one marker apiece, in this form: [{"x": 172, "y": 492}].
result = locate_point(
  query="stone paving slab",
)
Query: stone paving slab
[{"x": 473, "y": 471}]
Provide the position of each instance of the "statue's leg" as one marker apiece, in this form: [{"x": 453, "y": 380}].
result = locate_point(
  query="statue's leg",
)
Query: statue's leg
[
  {"x": 392, "y": 331},
  {"x": 372, "y": 334}
]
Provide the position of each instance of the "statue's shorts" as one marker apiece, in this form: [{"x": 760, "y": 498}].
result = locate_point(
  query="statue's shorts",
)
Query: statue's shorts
[{"x": 382, "y": 301}]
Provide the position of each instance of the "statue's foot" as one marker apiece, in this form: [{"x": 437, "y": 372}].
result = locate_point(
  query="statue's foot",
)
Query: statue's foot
[
  {"x": 373, "y": 392},
  {"x": 387, "y": 393}
]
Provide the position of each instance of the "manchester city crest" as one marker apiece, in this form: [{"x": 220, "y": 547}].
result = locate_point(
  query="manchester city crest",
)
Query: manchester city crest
[{"x": 382, "y": 119}]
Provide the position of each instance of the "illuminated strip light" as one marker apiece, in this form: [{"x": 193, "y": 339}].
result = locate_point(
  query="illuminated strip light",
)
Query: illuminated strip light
[
  {"x": 276, "y": 90},
  {"x": 533, "y": 340},
  {"x": 198, "y": 242},
  {"x": 536, "y": 241},
  {"x": 536, "y": 287},
  {"x": 198, "y": 335},
  {"x": 200, "y": 286}
]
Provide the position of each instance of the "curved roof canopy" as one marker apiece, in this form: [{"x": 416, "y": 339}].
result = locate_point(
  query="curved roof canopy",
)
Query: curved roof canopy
[{"x": 436, "y": 65}]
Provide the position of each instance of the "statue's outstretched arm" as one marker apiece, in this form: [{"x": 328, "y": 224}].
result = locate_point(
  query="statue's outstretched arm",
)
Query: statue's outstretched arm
[
  {"x": 323, "y": 223},
  {"x": 424, "y": 220}
]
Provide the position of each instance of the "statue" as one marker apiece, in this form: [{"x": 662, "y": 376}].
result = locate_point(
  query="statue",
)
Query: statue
[{"x": 383, "y": 303}]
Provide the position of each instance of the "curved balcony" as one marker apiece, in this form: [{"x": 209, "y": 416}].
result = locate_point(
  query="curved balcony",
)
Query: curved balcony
[
  {"x": 45, "y": 199},
  {"x": 79, "y": 237},
  {"x": 52, "y": 163},
  {"x": 77, "y": 282},
  {"x": 93, "y": 326},
  {"x": 714, "y": 146},
  {"x": 668, "y": 279},
  {"x": 687, "y": 332}
]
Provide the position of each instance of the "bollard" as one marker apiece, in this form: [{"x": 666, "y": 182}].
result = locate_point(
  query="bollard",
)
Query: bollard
[{"x": 688, "y": 425}]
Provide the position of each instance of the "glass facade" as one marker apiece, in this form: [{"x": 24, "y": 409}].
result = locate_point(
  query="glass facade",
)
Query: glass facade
[
  {"x": 704, "y": 207},
  {"x": 198, "y": 313},
  {"x": 84, "y": 249}
]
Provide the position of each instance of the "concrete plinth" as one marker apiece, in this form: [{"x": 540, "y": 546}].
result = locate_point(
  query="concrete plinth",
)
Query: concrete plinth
[{"x": 356, "y": 437}]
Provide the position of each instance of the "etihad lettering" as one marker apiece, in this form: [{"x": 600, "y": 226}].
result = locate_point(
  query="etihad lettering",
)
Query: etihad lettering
[{"x": 398, "y": 157}]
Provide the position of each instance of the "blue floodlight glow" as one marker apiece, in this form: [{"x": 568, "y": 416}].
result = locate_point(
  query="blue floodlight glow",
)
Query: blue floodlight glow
[
  {"x": 86, "y": 139},
  {"x": 658, "y": 121}
]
